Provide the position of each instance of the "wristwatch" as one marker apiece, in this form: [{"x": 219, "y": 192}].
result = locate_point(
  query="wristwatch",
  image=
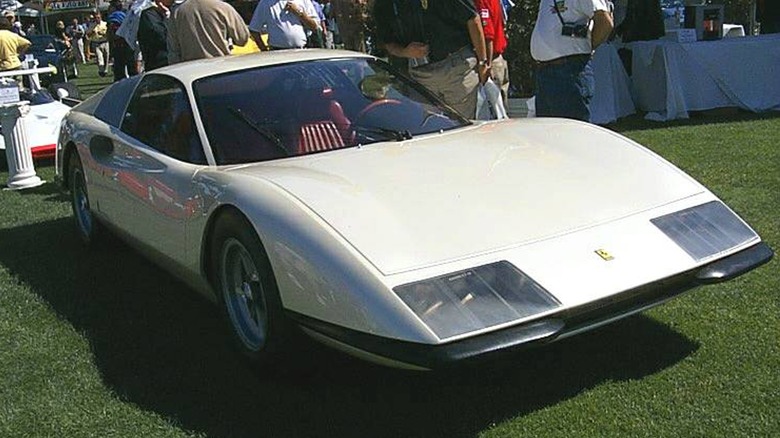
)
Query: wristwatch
[{"x": 483, "y": 63}]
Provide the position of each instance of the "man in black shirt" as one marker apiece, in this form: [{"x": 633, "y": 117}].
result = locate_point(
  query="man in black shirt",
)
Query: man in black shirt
[
  {"x": 153, "y": 34},
  {"x": 444, "y": 43}
]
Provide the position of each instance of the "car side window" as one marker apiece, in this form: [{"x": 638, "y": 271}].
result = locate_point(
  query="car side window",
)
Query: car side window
[
  {"x": 109, "y": 104},
  {"x": 159, "y": 115}
]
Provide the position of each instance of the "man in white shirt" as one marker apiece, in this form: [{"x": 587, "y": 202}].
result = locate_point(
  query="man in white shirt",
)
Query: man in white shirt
[
  {"x": 286, "y": 22},
  {"x": 562, "y": 43},
  {"x": 76, "y": 33}
]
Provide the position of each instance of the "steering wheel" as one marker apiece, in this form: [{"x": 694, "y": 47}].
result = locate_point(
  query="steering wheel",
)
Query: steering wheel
[{"x": 373, "y": 106}]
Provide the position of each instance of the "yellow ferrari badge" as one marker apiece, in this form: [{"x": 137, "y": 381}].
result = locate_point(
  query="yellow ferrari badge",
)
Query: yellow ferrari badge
[{"x": 604, "y": 254}]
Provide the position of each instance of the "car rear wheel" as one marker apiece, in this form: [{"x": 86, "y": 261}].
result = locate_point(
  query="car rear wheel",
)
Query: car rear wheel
[
  {"x": 87, "y": 226},
  {"x": 247, "y": 290}
]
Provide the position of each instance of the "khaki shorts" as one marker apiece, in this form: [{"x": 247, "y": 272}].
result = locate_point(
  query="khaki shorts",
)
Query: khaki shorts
[{"x": 454, "y": 79}]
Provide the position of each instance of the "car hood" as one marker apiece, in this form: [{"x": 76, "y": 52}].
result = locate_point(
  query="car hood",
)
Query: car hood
[{"x": 443, "y": 197}]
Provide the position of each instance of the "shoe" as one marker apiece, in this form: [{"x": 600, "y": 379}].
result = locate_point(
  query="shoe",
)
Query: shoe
[{"x": 102, "y": 74}]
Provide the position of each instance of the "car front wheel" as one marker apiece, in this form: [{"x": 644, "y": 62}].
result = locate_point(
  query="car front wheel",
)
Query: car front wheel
[
  {"x": 247, "y": 290},
  {"x": 88, "y": 228}
]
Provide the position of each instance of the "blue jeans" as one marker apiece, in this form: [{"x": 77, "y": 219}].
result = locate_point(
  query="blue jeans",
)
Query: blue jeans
[{"x": 565, "y": 89}]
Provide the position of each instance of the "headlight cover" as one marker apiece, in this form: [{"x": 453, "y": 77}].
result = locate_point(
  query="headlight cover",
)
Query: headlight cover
[
  {"x": 705, "y": 230},
  {"x": 476, "y": 298}
]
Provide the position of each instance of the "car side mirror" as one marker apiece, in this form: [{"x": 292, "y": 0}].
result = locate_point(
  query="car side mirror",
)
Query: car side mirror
[{"x": 62, "y": 93}]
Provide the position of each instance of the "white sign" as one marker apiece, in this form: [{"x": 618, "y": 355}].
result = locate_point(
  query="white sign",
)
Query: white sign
[
  {"x": 9, "y": 92},
  {"x": 681, "y": 35},
  {"x": 70, "y": 4}
]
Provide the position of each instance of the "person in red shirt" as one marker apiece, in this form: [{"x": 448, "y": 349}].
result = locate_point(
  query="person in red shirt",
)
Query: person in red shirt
[{"x": 492, "y": 15}]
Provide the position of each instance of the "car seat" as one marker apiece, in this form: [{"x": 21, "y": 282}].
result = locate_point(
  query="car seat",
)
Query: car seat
[{"x": 324, "y": 125}]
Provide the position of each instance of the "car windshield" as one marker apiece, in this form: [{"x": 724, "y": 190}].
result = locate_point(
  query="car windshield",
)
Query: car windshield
[
  {"x": 308, "y": 107},
  {"x": 35, "y": 97}
]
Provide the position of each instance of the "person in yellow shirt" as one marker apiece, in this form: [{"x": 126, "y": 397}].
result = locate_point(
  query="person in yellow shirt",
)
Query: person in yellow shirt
[
  {"x": 11, "y": 46},
  {"x": 97, "y": 34}
]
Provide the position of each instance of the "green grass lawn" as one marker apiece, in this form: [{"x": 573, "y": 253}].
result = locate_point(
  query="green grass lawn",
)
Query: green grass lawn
[
  {"x": 89, "y": 82},
  {"x": 102, "y": 343}
]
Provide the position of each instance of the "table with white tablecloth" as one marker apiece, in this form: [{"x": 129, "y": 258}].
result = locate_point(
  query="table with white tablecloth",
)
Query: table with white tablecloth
[
  {"x": 612, "y": 95},
  {"x": 670, "y": 79}
]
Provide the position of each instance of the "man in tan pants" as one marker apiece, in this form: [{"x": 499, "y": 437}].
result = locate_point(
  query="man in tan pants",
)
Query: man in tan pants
[
  {"x": 444, "y": 44},
  {"x": 97, "y": 35}
]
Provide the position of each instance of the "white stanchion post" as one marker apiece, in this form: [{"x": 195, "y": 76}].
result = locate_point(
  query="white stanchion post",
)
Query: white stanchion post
[
  {"x": 21, "y": 171},
  {"x": 30, "y": 63}
]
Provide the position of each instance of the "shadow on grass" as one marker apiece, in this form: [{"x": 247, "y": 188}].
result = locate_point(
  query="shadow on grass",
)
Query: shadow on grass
[
  {"x": 50, "y": 190},
  {"x": 162, "y": 348},
  {"x": 720, "y": 115}
]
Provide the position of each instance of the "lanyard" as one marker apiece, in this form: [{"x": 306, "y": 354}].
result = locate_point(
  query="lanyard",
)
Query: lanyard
[{"x": 557, "y": 11}]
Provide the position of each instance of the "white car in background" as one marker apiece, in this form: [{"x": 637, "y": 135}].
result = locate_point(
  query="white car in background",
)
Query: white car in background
[
  {"x": 322, "y": 190},
  {"x": 42, "y": 124}
]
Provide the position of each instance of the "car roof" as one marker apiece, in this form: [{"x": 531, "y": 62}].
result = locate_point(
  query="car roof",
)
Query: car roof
[{"x": 190, "y": 71}]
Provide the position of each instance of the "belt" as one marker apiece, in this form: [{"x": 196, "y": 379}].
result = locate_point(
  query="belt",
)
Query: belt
[
  {"x": 563, "y": 60},
  {"x": 458, "y": 50}
]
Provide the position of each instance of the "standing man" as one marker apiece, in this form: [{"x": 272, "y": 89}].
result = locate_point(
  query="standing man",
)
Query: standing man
[
  {"x": 124, "y": 55},
  {"x": 351, "y": 16},
  {"x": 330, "y": 24},
  {"x": 16, "y": 25},
  {"x": 492, "y": 14},
  {"x": 201, "y": 29},
  {"x": 98, "y": 42},
  {"x": 444, "y": 43},
  {"x": 286, "y": 22},
  {"x": 562, "y": 43},
  {"x": 153, "y": 34},
  {"x": 12, "y": 46},
  {"x": 76, "y": 33},
  {"x": 60, "y": 34},
  {"x": 88, "y": 23}
]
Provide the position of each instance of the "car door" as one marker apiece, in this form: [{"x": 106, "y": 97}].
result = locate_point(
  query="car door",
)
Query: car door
[
  {"x": 154, "y": 157},
  {"x": 96, "y": 154}
]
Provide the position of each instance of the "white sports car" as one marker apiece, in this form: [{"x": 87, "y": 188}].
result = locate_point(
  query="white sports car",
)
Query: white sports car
[{"x": 323, "y": 191}]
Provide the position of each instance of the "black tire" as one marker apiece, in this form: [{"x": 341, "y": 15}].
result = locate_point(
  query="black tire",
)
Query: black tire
[
  {"x": 247, "y": 291},
  {"x": 88, "y": 228},
  {"x": 70, "y": 87}
]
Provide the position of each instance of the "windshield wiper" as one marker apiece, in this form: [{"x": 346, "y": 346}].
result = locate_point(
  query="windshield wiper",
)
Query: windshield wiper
[
  {"x": 388, "y": 133},
  {"x": 430, "y": 115},
  {"x": 259, "y": 129}
]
